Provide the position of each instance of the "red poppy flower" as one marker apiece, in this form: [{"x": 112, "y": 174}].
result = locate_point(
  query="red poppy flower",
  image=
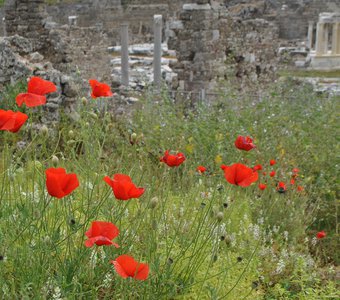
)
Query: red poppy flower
[
  {"x": 296, "y": 170},
  {"x": 201, "y": 169},
  {"x": 264, "y": 173},
  {"x": 320, "y": 235},
  {"x": 126, "y": 266},
  {"x": 59, "y": 184},
  {"x": 173, "y": 160},
  {"x": 101, "y": 233},
  {"x": 123, "y": 187},
  {"x": 272, "y": 162},
  {"x": 292, "y": 181},
  {"x": 262, "y": 186},
  {"x": 272, "y": 173},
  {"x": 300, "y": 188},
  {"x": 239, "y": 174},
  {"x": 244, "y": 143},
  {"x": 100, "y": 89},
  {"x": 257, "y": 168},
  {"x": 281, "y": 187},
  {"x": 12, "y": 121},
  {"x": 36, "y": 92}
]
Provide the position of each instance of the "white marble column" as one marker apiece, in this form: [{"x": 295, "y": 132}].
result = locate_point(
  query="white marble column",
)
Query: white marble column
[
  {"x": 157, "y": 52},
  {"x": 124, "y": 37},
  {"x": 336, "y": 39},
  {"x": 326, "y": 38},
  {"x": 310, "y": 35},
  {"x": 319, "y": 44}
]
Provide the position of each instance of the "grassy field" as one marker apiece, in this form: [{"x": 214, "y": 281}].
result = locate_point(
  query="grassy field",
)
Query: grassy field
[{"x": 202, "y": 237}]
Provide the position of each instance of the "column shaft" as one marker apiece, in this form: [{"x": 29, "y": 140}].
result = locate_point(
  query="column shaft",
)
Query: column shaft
[
  {"x": 124, "y": 36},
  {"x": 336, "y": 39},
  {"x": 310, "y": 35},
  {"x": 157, "y": 52},
  {"x": 319, "y": 48}
]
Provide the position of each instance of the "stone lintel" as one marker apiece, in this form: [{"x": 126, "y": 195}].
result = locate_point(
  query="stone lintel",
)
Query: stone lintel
[
  {"x": 329, "y": 17},
  {"x": 195, "y": 6}
]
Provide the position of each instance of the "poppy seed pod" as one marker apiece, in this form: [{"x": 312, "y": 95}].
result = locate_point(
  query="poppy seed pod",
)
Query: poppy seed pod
[
  {"x": 71, "y": 134},
  {"x": 133, "y": 137},
  {"x": 84, "y": 101},
  {"x": 93, "y": 115},
  {"x": 219, "y": 216},
  {"x": 153, "y": 202},
  {"x": 55, "y": 161},
  {"x": 44, "y": 130}
]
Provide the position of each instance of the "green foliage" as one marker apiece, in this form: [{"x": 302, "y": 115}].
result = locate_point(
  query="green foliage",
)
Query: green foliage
[{"x": 261, "y": 247}]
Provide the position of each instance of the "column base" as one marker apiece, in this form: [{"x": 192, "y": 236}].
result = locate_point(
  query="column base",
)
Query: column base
[{"x": 325, "y": 62}]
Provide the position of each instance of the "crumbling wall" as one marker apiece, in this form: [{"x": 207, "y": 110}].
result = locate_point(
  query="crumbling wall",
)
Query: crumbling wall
[
  {"x": 18, "y": 61},
  {"x": 291, "y": 16},
  {"x": 25, "y": 18},
  {"x": 213, "y": 47},
  {"x": 197, "y": 39}
]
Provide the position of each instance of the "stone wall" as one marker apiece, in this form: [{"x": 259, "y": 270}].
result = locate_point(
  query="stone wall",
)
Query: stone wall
[
  {"x": 25, "y": 18},
  {"x": 18, "y": 62},
  {"x": 213, "y": 47},
  {"x": 291, "y": 16},
  {"x": 109, "y": 14}
]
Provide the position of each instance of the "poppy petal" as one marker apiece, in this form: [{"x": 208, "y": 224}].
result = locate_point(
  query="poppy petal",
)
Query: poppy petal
[
  {"x": 40, "y": 86},
  {"x": 30, "y": 100},
  {"x": 70, "y": 183}
]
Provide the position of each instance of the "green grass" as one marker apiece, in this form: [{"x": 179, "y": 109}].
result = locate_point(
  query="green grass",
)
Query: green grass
[
  {"x": 310, "y": 73},
  {"x": 262, "y": 248}
]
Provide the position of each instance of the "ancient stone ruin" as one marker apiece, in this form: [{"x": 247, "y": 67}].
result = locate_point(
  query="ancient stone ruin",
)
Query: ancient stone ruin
[
  {"x": 327, "y": 43},
  {"x": 205, "y": 43}
]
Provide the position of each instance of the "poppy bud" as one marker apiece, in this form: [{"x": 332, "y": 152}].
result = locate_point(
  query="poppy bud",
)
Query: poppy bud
[
  {"x": 69, "y": 142},
  {"x": 93, "y": 115},
  {"x": 37, "y": 164},
  {"x": 71, "y": 134},
  {"x": 153, "y": 202},
  {"x": 219, "y": 216},
  {"x": 44, "y": 130},
  {"x": 133, "y": 138},
  {"x": 84, "y": 101},
  {"x": 55, "y": 161}
]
